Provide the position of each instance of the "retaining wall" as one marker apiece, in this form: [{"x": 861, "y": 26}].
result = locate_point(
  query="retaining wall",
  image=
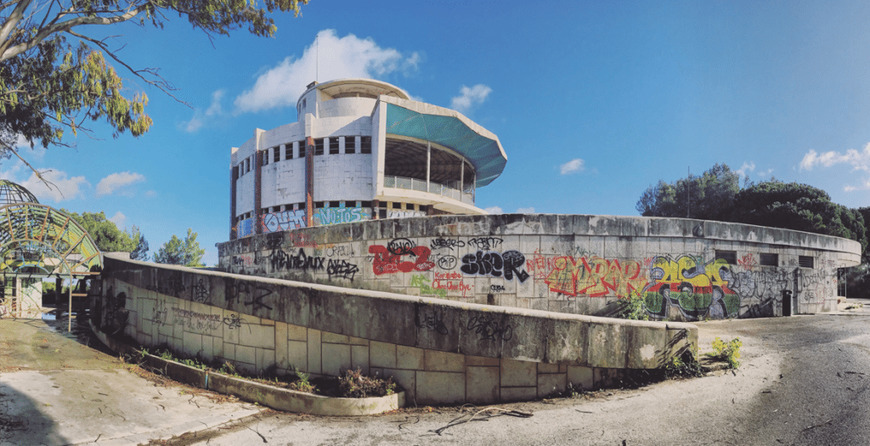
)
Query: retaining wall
[
  {"x": 684, "y": 269},
  {"x": 440, "y": 351}
]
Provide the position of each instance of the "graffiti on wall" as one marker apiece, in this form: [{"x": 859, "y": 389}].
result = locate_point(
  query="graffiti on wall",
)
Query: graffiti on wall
[
  {"x": 334, "y": 216},
  {"x": 245, "y": 228},
  {"x": 283, "y": 221},
  {"x": 110, "y": 313},
  {"x": 595, "y": 277},
  {"x": 400, "y": 255},
  {"x": 422, "y": 283},
  {"x": 495, "y": 264},
  {"x": 696, "y": 288}
]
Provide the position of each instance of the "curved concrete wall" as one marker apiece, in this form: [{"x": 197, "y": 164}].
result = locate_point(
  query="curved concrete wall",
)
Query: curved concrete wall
[
  {"x": 684, "y": 269},
  {"x": 440, "y": 351}
]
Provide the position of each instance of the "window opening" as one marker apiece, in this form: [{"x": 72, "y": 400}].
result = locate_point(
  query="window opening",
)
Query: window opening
[
  {"x": 728, "y": 256},
  {"x": 806, "y": 261},
  {"x": 768, "y": 259},
  {"x": 365, "y": 143}
]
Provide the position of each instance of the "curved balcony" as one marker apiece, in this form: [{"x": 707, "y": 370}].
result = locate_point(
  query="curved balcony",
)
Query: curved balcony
[{"x": 445, "y": 190}]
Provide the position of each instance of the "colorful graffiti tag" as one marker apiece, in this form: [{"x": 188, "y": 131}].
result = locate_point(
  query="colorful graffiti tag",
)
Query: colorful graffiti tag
[
  {"x": 283, "y": 221},
  {"x": 393, "y": 257},
  {"x": 596, "y": 277},
  {"x": 695, "y": 287},
  {"x": 334, "y": 216}
]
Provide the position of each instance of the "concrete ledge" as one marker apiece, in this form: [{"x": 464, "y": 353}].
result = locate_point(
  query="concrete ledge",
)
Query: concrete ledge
[
  {"x": 419, "y": 322},
  {"x": 262, "y": 394}
]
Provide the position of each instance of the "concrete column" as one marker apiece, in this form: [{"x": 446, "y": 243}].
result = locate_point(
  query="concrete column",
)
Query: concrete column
[
  {"x": 258, "y": 165},
  {"x": 428, "y": 164},
  {"x": 309, "y": 181},
  {"x": 234, "y": 175}
]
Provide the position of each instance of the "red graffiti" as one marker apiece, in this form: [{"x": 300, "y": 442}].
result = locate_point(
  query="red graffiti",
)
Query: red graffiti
[
  {"x": 385, "y": 262},
  {"x": 539, "y": 266},
  {"x": 747, "y": 262}
]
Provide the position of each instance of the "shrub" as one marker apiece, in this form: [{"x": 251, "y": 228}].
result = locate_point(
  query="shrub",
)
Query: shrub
[{"x": 727, "y": 351}]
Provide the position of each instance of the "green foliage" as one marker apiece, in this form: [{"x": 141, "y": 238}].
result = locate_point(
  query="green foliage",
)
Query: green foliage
[
  {"x": 683, "y": 366},
  {"x": 633, "y": 307},
  {"x": 303, "y": 381},
  {"x": 105, "y": 232},
  {"x": 54, "y": 73},
  {"x": 707, "y": 197},
  {"x": 726, "y": 351},
  {"x": 181, "y": 252},
  {"x": 141, "y": 251}
]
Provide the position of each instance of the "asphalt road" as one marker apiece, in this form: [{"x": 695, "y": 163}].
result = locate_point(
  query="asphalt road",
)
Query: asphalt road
[{"x": 803, "y": 380}]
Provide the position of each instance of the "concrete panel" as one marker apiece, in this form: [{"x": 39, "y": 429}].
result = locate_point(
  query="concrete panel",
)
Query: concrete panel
[
  {"x": 440, "y": 387},
  {"x": 482, "y": 385},
  {"x": 518, "y": 373},
  {"x": 336, "y": 357}
]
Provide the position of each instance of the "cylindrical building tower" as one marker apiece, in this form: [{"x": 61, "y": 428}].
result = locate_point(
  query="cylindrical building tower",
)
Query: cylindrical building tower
[{"x": 361, "y": 149}]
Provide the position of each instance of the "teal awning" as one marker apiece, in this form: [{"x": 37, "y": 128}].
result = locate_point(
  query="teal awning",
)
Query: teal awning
[{"x": 454, "y": 131}]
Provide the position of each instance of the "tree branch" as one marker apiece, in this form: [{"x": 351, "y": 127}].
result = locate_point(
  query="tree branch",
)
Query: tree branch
[
  {"x": 11, "y": 22},
  {"x": 161, "y": 83},
  {"x": 67, "y": 25}
]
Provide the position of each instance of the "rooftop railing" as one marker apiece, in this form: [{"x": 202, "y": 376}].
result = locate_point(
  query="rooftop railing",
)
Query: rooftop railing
[{"x": 450, "y": 191}]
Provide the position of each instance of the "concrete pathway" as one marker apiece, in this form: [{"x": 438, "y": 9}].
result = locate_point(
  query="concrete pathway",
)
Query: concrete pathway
[{"x": 59, "y": 388}]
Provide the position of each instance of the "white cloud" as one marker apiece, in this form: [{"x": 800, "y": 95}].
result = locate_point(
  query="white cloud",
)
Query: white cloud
[
  {"x": 859, "y": 160},
  {"x": 865, "y": 185},
  {"x": 469, "y": 97},
  {"x": 119, "y": 219},
  {"x": 328, "y": 57},
  {"x": 745, "y": 169},
  {"x": 116, "y": 181},
  {"x": 528, "y": 210},
  {"x": 199, "y": 116},
  {"x": 62, "y": 187},
  {"x": 575, "y": 165},
  {"x": 494, "y": 210}
]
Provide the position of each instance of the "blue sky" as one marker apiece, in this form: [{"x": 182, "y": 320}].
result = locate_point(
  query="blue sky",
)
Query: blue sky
[{"x": 592, "y": 101}]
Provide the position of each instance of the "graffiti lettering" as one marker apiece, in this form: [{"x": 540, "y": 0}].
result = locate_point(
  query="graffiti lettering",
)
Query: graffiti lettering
[
  {"x": 747, "y": 262},
  {"x": 283, "y": 221},
  {"x": 447, "y": 261},
  {"x": 432, "y": 321},
  {"x": 595, "y": 277},
  {"x": 199, "y": 292},
  {"x": 495, "y": 264},
  {"x": 196, "y": 321},
  {"x": 341, "y": 269},
  {"x": 339, "y": 251},
  {"x": 333, "y": 216},
  {"x": 696, "y": 288},
  {"x": 281, "y": 260},
  {"x": 400, "y": 246},
  {"x": 447, "y": 243},
  {"x": 496, "y": 288},
  {"x": 233, "y": 321},
  {"x": 421, "y": 282},
  {"x": 489, "y": 329},
  {"x": 485, "y": 243},
  {"x": 384, "y": 262}
]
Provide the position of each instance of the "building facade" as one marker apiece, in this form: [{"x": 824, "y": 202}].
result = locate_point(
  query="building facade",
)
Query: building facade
[{"x": 360, "y": 150}]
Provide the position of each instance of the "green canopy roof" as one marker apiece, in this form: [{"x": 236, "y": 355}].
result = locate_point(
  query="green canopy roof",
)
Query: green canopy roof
[{"x": 450, "y": 129}]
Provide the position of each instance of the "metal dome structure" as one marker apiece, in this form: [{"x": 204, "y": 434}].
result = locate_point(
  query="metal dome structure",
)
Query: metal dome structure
[
  {"x": 12, "y": 193},
  {"x": 36, "y": 242}
]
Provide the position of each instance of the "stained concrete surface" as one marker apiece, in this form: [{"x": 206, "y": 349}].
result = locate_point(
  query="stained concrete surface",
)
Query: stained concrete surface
[
  {"x": 802, "y": 381},
  {"x": 62, "y": 388}
]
